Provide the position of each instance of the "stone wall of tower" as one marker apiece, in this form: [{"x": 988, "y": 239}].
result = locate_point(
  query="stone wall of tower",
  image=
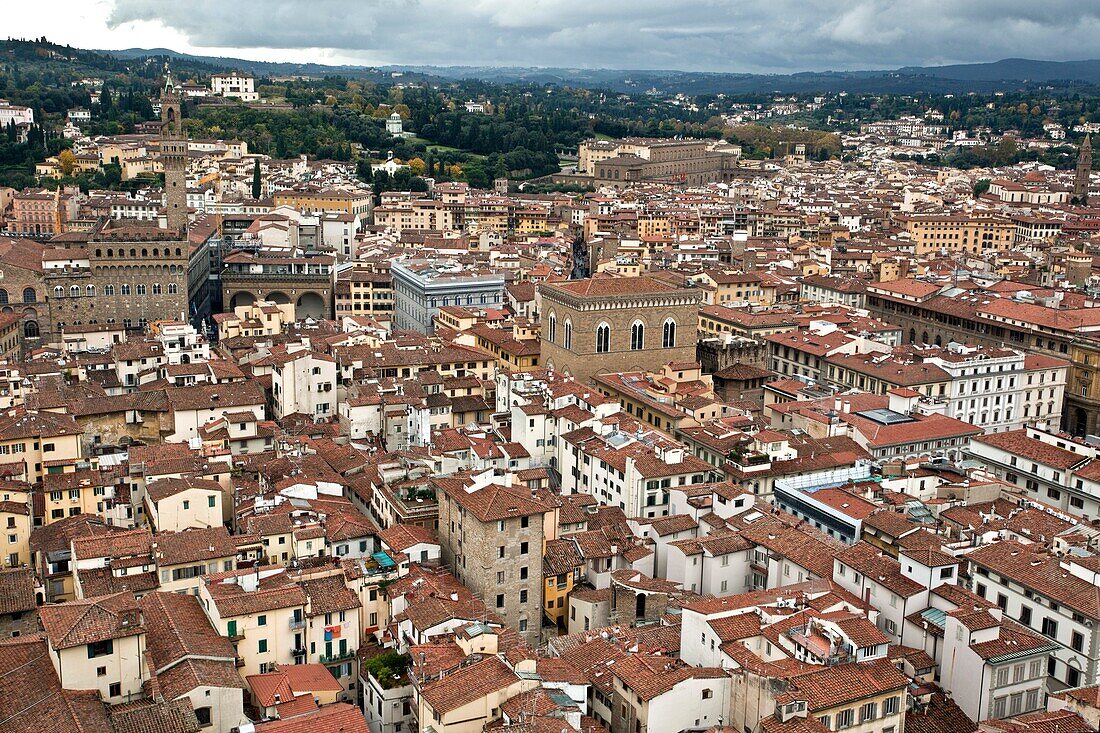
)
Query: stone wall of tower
[
  {"x": 173, "y": 155},
  {"x": 1084, "y": 169}
]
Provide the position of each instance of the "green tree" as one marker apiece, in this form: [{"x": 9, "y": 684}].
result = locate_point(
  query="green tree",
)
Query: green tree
[{"x": 257, "y": 187}]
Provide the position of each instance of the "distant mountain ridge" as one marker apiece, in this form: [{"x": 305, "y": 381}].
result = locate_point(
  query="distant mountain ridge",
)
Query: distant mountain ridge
[{"x": 980, "y": 77}]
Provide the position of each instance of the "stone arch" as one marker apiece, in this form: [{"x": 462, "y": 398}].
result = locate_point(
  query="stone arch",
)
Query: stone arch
[
  {"x": 310, "y": 305},
  {"x": 603, "y": 337},
  {"x": 277, "y": 296},
  {"x": 637, "y": 335},
  {"x": 668, "y": 333},
  {"x": 242, "y": 297}
]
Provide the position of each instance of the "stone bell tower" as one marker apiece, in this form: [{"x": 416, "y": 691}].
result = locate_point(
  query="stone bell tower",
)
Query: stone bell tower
[
  {"x": 173, "y": 156},
  {"x": 1084, "y": 168}
]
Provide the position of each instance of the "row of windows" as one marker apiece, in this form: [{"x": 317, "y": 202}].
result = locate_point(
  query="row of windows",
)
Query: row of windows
[
  {"x": 29, "y": 296},
  {"x": 144, "y": 252},
  {"x": 90, "y": 290},
  {"x": 603, "y": 335}
]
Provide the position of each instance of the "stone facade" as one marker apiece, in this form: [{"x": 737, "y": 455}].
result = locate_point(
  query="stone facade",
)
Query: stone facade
[
  {"x": 574, "y": 312},
  {"x": 21, "y": 287},
  {"x": 473, "y": 549}
]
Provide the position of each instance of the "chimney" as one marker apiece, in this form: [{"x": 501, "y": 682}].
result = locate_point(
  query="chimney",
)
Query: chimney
[{"x": 847, "y": 407}]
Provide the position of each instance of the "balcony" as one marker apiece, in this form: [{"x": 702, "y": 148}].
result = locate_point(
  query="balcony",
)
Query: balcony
[
  {"x": 239, "y": 661},
  {"x": 297, "y": 623},
  {"x": 336, "y": 656},
  {"x": 749, "y": 461}
]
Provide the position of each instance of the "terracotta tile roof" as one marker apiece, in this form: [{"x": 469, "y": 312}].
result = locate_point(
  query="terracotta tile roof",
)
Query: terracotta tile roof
[
  {"x": 468, "y": 684},
  {"x": 865, "y": 558},
  {"x": 190, "y": 674},
  {"x": 560, "y": 557},
  {"x": 89, "y": 620},
  {"x": 166, "y": 487},
  {"x": 493, "y": 502},
  {"x": 128, "y": 543},
  {"x": 177, "y": 627},
  {"x": 16, "y": 590},
  {"x": 336, "y": 718},
  {"x": 23, "y": 424},
  {"x": 31, "y": 697},
  {"x": 845, "y": 684},
  {"x": 194, "y": 545},
  {"x": 327, "y": 595},
  {"x": 649, "y": 677},
  {"x": 602, "y": 287},
  {"x": 148, "y": 716},
  {"x": 273, "y": 592},
  {"x": 400, "y": 537},
  {"x": 1031, "y": 567},
  {"x": 1018, "y": 443}
]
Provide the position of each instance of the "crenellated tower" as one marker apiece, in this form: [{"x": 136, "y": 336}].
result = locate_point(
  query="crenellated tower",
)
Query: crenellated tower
[{"x": 173, "y": 156}]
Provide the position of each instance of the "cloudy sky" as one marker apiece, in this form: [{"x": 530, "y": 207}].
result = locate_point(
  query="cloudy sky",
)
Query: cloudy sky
[{"x": 712, "y": 35}]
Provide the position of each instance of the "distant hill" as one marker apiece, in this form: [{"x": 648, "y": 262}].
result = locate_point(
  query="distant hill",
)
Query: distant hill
[
  {"x": 1005, "y": 75},
  {"x": 1014, "y": 70}
]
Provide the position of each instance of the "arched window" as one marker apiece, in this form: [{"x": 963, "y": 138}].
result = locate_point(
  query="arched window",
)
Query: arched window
[
  {"x": 29, "y": 296},
  {"x": 108, "y": 289},
  {"x": 568, "y": 334},
  {"x": 90, "y": 290},
  {"x": 172, "y": 289},
  {"x": 141, "y": 289},
  {"x": 125, "y": 290},
  {"x": 637, "y": 336},
  {"x": 133, "y": 252},
  {"x": 30, "y": 330},
  {"x": 603, "y": 338},
  {"x": 156, "y": 288},
  {"x": 3, "y": 297},
  {"x": 668, "y": 336},
  {"x": 179, "y": 252},
  {"x": 74, "y": 291},
  {"x": 59, "y": 292},
  {"x": 552, "y": 328}
]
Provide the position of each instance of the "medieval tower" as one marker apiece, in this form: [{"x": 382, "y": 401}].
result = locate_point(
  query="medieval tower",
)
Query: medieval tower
[
  {"x": 173, "y": 156},
  {"x": 1084, "y": 168}
]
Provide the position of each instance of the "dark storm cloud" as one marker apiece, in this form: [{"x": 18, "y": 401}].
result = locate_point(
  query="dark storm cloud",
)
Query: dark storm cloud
[{"x": 720, "y": 35}]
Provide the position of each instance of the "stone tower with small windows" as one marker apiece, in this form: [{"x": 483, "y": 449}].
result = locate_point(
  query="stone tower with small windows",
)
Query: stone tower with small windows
[
  {"x": 173, "y": 156},
  {"x": 1084, "y": 169}
]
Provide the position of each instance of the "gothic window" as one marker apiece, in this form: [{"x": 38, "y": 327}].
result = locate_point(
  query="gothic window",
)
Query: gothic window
[
  {"x": 668, "y": 338},
  {"x": 90, "y": 290},
  {"x": 30, "y": 330},
  {"x": 552, "y": 328},
  {"x": 568, "y": 334},
  {"x": 156, "y": 288},
  {"x": 74, "y": 291},
  {"x": 59, "y": 292},
  {"x": 603, "y": 338},
  {"x": 172, "y": 289},
  {"x": 141, "y": 289},
  {"x": 108, "y": 289},
  {"x": 125, "y": 290},
  {"x": 637, "y": 336}
]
